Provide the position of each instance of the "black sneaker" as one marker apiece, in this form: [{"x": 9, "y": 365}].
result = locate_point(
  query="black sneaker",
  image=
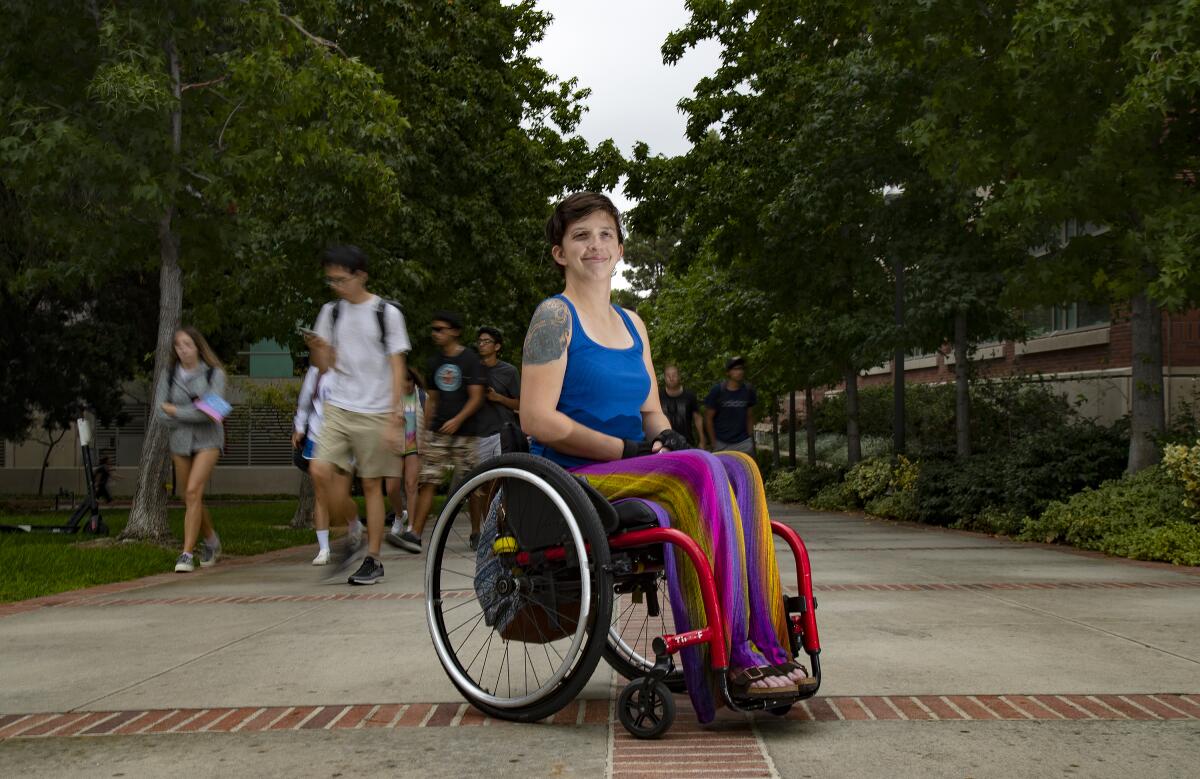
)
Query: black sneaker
[
  {"x": 370, "y": 572},
  {"x": 473, "y": 541},
  {"x": 409, "y": 542}
]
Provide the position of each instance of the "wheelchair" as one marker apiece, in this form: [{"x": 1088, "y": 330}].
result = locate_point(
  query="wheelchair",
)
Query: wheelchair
[{"x": 562, "y": 578}]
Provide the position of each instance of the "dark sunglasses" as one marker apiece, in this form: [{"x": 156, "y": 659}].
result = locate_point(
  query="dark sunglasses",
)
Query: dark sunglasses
[{"x": 438, "y": 329}]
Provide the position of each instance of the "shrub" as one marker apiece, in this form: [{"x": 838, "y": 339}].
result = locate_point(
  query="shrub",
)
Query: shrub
[
  {"x": 831, "y": 448},
  {"x": 1146, "y": 499},
  {"x": 796, "y": 485},
  {"x": 783, "y": 486},
  {"x": 1184, "y": 465},
  {"x": 1140, "y": 516},
  {"x": 1023, "y": 478},
  {"x": 870, "y": 478},
  {"x": 900, "y": 505},
  {"x": 1177, "y": 542},
  {"x": 834, "y": 497},
  {"x": 1002, "y": 412},
  {"x": 995, "y": 520}
]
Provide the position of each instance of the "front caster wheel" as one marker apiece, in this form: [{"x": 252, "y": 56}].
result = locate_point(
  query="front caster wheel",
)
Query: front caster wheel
[{"x": 646, "y": 709}]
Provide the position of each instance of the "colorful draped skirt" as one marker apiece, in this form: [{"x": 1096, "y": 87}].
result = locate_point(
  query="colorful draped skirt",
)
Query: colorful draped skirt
[{"x": 717, "y": 500}]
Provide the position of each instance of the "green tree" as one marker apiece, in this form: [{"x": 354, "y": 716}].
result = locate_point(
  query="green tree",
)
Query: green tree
[
  {"x": 1064, "y": 111},
  {"x": 169, "y": 136}
]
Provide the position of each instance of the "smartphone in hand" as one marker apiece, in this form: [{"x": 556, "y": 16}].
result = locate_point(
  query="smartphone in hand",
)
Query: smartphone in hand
[{"x": 307, "y": 332}]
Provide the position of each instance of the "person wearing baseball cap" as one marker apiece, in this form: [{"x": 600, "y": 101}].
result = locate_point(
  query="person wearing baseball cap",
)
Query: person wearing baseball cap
[{"x": 729, "y": 410}]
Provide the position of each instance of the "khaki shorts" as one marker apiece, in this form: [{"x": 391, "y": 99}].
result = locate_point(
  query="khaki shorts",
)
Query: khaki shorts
[
  {"x": 440, "y": 451},
  {"x": 352, "y": 440}
]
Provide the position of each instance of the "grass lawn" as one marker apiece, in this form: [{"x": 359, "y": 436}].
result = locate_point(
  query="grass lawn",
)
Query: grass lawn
[{"x": 34, "y": 564}]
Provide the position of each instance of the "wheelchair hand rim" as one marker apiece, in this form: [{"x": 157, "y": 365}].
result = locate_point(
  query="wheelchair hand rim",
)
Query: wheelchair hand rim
[{"x": 450, "y": 659}]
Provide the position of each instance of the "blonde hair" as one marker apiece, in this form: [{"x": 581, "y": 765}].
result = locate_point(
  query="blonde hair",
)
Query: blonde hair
[{"x": 206, "y": 353}]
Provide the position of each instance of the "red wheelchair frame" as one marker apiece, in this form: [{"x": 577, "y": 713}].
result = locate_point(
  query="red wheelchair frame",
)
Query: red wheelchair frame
[{"x": 800, "y": 611}]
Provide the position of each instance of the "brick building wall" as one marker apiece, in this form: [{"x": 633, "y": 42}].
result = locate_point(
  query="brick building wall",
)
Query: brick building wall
[{"x": 1093, "y": 362}]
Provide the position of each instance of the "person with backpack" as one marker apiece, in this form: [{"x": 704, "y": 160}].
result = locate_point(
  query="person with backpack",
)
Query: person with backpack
[
  {"x": 189, "y": 400},
  {"x": 306, "y": 432},
  {"x": 360, "y": 343},
  {"x": 414, "y": 411}
]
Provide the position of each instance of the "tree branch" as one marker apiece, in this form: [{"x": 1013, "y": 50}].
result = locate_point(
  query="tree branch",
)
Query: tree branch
[
  {"x": 202, "y": 84},
  {"x": 221, "y": 136},
  {"x": 323, "y": 42}
]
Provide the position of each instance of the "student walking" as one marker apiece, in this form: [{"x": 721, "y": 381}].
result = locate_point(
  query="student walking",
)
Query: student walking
[
  {"x": 188, "y": 399},
  {"x": 101, "y": 478},
  {"x": 681, "y": 407},
  {"x": 497, "y": 417},
  {"x": 729, "y": 414},
  {"x": 359, "y": 345},
  {"x": 306, "y": 427},
  {"x": 455, "y": 394},
  {"x": 414, "y": 410}
]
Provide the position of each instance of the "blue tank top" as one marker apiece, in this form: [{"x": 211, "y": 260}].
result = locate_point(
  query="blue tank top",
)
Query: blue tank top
[{"x": 603, "y": 388}]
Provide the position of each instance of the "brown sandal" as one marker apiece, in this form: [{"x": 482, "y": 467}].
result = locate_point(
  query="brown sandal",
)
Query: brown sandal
[
  {"x": 807, "y": 684},
  {"x": 741, "y": 681}
]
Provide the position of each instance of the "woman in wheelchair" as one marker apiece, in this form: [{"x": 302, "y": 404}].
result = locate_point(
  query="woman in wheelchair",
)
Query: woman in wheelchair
[{"x": 590, "y": 403}]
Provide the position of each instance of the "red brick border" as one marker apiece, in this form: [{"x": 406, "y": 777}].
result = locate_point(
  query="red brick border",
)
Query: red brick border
[{"x": 585, "y": 713}]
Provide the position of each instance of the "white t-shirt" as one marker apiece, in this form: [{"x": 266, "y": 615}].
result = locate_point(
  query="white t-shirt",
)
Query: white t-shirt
[{"x": 362, "y": 379}]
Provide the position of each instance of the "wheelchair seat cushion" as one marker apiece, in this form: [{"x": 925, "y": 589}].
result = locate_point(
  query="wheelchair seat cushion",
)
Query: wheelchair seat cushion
[{"x": 634, "y": 515}]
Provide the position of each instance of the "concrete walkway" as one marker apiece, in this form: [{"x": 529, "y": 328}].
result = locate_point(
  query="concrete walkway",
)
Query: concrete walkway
[{"x": 945, "y": 654}]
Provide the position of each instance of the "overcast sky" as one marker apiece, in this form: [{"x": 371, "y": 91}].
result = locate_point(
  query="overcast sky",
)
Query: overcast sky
[{"x": 615, "y": 49}]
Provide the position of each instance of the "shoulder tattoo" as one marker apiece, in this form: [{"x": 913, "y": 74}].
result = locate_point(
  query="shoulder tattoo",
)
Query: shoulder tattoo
[{"x": 548, "y": 333}]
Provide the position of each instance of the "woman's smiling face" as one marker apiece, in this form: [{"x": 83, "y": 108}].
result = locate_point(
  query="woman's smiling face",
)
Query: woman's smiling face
[{"x": 591, "y": 246}]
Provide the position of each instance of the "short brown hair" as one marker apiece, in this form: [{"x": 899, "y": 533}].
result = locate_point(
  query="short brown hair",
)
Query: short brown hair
[{"x": 576, "y": 207}]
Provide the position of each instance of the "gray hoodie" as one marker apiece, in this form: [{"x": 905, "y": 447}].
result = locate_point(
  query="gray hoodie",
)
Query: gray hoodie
[{"x": 191, "y": 429}]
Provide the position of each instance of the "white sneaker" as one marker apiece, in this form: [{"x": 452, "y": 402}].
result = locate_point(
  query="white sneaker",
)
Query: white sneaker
[{"x": 322, "y": 558}]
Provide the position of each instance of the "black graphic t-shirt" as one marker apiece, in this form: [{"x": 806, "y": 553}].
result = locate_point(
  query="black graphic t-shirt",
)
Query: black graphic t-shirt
[
  {"x": 679, "y": 411},
  {"x": 729, "y": 423},
  {"x": 449, "y": 377}
]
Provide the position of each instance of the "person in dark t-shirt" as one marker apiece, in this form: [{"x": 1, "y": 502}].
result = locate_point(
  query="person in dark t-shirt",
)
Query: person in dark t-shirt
[
  {"x": 681, "y": 407},
  {"x": 729, "y": 414},
  {"x": 497, "y": 420},
  {"x": 454, "y": 394}
]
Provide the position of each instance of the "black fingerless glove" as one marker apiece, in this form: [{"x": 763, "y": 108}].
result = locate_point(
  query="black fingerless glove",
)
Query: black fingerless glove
[
  {"x": 673, "y": 440},
  {"x": 668, "y": 438},
  {"x": 636, "y": 448}
]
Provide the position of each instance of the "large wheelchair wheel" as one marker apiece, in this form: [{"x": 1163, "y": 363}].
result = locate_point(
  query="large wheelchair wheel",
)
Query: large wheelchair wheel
[
  {"x": 519, "y": 625},
  {"x": 641, "y": 613}
]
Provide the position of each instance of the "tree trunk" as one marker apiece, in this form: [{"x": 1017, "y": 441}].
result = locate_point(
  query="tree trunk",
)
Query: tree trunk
[
  {"x": 962, "y": 387},
  {"x": 1148, "y": 420},
  {"x": 51, "y": 442},
  {"x": 853, "y": 441},
  {"x": 792, "y": 428},
  {"x": 148, "y": 512},
  {"x": 810, "y": 426},
  {"x": 303, "y": 518},
  {"x": 898, "y": 359},
  {"x": 775, "y": 433}
]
